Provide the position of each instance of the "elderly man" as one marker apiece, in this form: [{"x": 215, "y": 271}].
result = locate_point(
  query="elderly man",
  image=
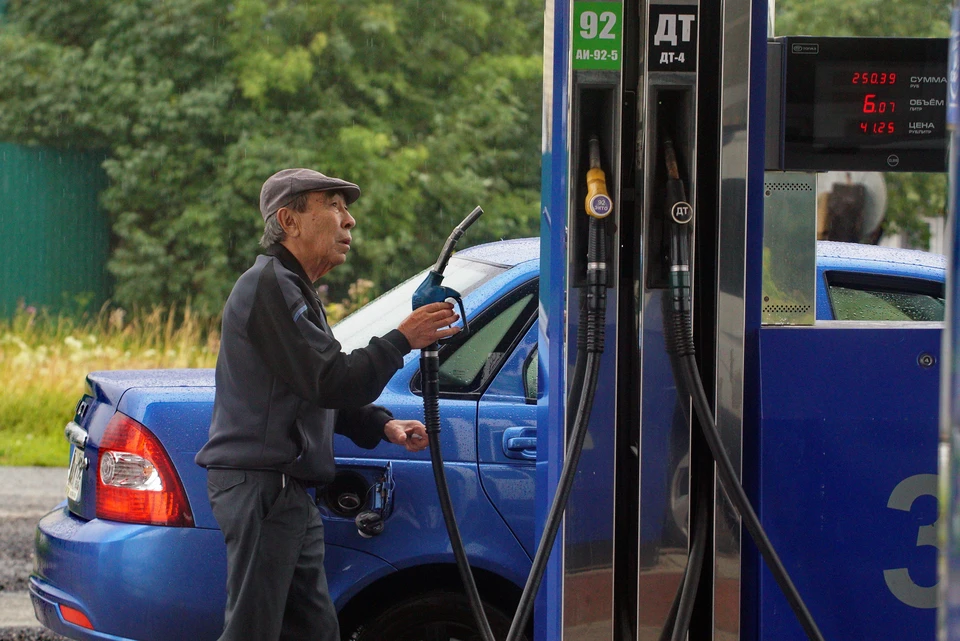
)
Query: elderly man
[{"x": 283, "y": 388}]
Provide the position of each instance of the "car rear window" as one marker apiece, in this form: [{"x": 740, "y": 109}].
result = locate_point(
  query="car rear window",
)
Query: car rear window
[{"x": 385, "y": 313}]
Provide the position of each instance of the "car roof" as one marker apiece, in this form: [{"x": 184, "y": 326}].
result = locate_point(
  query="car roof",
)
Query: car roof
[
  {"x": 877, "y": 254},
  {"x": 874, "y": 259},
  {"x": 508, "y": 253}
]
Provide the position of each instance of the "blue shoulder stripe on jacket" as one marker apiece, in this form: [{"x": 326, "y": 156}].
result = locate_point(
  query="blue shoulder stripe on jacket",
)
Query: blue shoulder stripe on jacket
[{"x": 299, "y": 312}]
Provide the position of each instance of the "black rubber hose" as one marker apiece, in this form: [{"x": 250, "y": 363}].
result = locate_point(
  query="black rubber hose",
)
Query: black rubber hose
[
  {"x": 738, "y": 497},
  {"x": 595, "y": 335},
  {"x": 698, "y": 551},
  {"x": 680, "y": 335},
  {"x": 681, "y": 610},
  {"x": 430, "y": 368},
  {"x": 571, "y": 460}
]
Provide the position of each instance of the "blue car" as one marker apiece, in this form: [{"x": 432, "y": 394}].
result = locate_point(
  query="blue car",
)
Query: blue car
[{"x": 149, "y": 564}]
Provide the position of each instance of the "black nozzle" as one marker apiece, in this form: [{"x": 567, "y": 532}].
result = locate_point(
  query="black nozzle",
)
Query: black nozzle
[
  {"x": 455, "y": 235},
  {"x": 594, "y": 146}
]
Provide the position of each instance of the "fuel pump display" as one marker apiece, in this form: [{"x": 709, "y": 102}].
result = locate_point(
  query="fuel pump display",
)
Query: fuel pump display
[{"x": 861, "y": 104}]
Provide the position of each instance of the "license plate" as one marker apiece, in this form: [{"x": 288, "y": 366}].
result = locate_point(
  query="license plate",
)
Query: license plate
[{"x": 78, "y": 463}]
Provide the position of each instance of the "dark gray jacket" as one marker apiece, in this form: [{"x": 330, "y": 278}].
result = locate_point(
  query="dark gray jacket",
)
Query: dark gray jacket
[{"x": 283, "y": 384}]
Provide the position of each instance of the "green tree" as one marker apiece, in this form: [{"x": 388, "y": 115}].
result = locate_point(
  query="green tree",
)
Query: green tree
[
  {"x": 431, "y": 109},
  {"x": 910, "y": 197}
]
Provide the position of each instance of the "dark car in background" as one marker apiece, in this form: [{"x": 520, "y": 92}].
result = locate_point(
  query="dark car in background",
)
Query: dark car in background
[{"x": 133, "y": 552}]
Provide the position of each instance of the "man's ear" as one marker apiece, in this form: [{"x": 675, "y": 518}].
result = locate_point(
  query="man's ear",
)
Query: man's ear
[{"x": 288, "y": 222}]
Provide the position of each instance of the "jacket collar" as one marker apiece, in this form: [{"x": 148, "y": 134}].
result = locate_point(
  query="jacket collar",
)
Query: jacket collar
[{"x": 289, "y": 261}]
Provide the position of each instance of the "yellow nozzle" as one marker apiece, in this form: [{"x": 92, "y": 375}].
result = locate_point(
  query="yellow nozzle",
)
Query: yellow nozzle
[{"x": 598, "y": 202}]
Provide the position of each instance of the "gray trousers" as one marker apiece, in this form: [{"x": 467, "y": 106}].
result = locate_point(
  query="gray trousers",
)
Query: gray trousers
[{"x": 276, "y": 585}]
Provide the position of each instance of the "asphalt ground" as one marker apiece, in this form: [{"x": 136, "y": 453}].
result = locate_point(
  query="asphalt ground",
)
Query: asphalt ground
[{"x": 26, "y": 494}]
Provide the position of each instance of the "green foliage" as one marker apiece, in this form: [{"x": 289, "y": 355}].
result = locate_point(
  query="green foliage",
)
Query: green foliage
[
  {"x": 902, "y": 18},
  {"x": 910, "y": 197},
  {"x": 430, "y": 108}
]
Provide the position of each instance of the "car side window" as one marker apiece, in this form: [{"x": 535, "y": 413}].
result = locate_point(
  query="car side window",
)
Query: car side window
[
  {"x": 480, "y": 351},
  {"x": 866, "y": 297},
  {"x": 530, "y": 371},
  {"x": 468, "y": 363}
]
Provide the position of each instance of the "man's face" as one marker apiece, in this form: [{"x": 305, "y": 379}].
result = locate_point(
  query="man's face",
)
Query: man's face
[{"x": 325, "y": 232}]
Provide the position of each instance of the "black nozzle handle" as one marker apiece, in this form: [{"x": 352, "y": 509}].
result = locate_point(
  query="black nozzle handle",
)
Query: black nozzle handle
[{"x": 455, "y": 235}]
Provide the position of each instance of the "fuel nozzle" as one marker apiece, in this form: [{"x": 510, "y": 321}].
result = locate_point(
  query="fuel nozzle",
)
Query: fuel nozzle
[
  {"x": 432, "y": 290},
  {"x": 680, "y": 210},
  {"x": 679, "y": 336},
  {"x": 598, "y": 202},
  {"x": 599, "y": 206}
]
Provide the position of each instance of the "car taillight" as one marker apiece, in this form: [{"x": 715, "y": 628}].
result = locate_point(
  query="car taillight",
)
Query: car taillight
[{"x": 136, "y": 481}]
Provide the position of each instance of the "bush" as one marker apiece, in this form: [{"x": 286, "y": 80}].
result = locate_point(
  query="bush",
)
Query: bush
[{"x": 197, "y": 102}]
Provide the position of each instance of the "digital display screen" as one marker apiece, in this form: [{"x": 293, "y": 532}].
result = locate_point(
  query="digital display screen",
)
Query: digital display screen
[{"x": 864, "y": 104}]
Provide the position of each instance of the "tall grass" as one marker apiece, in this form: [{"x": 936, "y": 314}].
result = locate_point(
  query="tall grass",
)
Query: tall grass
[{"x": 44, "y": 360}]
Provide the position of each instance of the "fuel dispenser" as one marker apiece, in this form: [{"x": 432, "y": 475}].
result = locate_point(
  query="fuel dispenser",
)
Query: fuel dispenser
[
  {"x": 688, "y": 386},
  {"x": 710, "y": 135}
]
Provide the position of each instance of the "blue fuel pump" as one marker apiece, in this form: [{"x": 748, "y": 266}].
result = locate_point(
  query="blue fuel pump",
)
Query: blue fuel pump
[{"x": 657, "y": 507}]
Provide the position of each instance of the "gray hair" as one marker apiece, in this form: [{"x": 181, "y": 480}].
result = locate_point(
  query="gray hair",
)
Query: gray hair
[{"x": 272, "y": 231}]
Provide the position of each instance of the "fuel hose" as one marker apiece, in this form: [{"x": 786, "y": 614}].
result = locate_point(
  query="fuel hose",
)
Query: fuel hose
[
  {"x": 680, "y": 335},
  {"x": 591, "y": 338},
  {"x": 430, "y": 291},
  {"x": 590, "y": 348},
  {"x": 429, "y": 368}
]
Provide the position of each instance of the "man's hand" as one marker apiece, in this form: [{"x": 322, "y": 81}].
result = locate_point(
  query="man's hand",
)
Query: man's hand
[
  {"x": 428, "y": 324},
  {"x": 409, "y": 434}
]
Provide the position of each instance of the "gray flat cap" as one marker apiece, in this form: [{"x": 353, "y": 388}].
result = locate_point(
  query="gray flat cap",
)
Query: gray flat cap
[{"x": 287, "y": 184}]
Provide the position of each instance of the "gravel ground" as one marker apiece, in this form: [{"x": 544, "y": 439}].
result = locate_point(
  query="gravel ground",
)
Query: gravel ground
[
  {"x": 26, "y": 494},
  {"x": 29, "y": 634},
  {"x": 16, "y": 552}
]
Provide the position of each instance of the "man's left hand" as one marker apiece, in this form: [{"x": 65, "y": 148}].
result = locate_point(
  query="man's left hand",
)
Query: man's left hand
[{"x": 409, "y": 434}]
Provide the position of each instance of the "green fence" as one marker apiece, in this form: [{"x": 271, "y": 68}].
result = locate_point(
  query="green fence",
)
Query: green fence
[{"x": 54, "y": 237}]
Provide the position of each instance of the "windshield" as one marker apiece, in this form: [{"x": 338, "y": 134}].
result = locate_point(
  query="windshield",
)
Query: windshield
[{"x": 385, "y": 313}]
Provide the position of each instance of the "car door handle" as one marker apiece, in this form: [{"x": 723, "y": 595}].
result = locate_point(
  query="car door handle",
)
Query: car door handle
[{"x": 520, "y": 443}]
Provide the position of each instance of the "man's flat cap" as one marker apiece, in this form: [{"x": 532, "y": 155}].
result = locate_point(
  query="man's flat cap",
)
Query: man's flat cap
[{"x": 287, "y": 184}]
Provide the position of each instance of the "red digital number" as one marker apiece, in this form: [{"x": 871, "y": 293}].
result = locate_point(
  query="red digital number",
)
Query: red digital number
[
  {"x": 882, "y": 127},
  {"x": 871, "y": 105},
  {"x": 873, "y": 78}
]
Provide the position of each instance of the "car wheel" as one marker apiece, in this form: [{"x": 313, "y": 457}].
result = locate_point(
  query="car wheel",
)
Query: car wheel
[
  {"x": 435, "y": 616},
  {"x": 680, "y": 495}
]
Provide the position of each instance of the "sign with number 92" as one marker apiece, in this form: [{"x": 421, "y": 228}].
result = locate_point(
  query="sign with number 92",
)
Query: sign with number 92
[{"x": 597, "y": 35}]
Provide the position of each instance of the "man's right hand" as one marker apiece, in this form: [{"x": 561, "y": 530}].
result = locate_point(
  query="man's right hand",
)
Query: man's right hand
[{"x": 428, "y": 324}]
